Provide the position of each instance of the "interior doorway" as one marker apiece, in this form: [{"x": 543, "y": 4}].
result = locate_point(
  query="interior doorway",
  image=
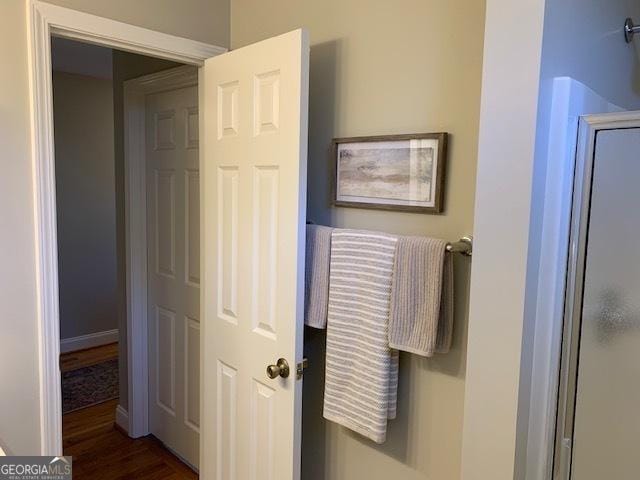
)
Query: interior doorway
[
  {"x": 93, "y": 92},
  {"x": 46, "y": 20},
  {"x": 262, "y": 88}
]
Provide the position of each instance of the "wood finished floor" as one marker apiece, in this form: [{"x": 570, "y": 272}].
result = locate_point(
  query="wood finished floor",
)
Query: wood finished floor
[
  {"x": 102, "y": 452},
  {"x": 90, "y": 356}
]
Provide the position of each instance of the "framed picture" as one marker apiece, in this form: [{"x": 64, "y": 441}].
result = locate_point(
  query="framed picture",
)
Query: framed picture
[{"x": 391, "y": 172}]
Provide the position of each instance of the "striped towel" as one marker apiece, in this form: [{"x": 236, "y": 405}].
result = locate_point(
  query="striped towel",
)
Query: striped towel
[
  {"x": 421, "y": 318},
  {"x": 361, "y": 370},
  {"x": 316, "y": 292}
]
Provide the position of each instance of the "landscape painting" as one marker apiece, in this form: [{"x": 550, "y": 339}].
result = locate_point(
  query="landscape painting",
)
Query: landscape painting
[{"x": 399, "y": 172}]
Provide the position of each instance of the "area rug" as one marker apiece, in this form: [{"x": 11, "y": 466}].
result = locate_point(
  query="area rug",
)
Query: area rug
[{"x": 88, "y": 386}]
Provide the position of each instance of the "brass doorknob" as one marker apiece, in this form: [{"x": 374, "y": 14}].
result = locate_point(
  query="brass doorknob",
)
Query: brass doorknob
[{"x": 280, "y": 369}]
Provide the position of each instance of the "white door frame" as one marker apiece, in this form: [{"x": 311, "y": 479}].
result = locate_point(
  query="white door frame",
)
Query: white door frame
[
  {"x": 135, "y": 92},
  {"x": 43, "y": 20}
]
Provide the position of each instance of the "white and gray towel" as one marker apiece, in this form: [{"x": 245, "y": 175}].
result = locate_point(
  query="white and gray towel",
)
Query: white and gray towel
[
  {"x": 316, "y": 298},
  {"x": 361, "y": 369},
  {"x": 421, "y": 319}
]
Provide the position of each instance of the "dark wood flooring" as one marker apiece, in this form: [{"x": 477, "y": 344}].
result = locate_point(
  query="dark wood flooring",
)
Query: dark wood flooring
[
  {"x": 86, "y": 358},
  {"x": 101, "y": 451}
]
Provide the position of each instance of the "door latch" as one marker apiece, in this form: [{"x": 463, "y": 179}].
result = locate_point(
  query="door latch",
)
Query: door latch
[{"x": 301, "y": 367}]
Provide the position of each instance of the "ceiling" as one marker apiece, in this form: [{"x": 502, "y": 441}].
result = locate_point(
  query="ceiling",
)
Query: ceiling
[{"x": 80, "y": 58}]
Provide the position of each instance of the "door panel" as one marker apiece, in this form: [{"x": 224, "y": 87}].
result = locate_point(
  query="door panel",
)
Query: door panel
[
  {"x": 607, "y": 424},
  {"x": 192, "y": 227},
  {"x": 173, "y": 236},
  {"x": 192, "y": 375},
  {"x": 255, "y": 200},
  {"x": 165, "y": 359}
]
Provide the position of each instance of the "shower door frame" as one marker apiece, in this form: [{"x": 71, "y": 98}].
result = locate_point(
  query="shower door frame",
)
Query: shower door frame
[{"x": 589, "y": 126}]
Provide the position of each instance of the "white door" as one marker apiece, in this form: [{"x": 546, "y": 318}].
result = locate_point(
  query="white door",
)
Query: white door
[
  {"x": 173, "y": 239},
  {"x": 254, "y": 171}
]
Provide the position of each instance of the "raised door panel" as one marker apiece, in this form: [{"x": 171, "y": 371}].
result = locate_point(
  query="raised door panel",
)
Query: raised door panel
[
  {"x": 227, "y": 284},
  {"x": 192, "y": 227},
  {"x": 165, "y": 359},
  {"x": 265, "y": 251},
  {"x": 192, "y": 374},
  {"x": 262, "y": 438},
  {"x": 165, "y": 222},
  {"x": 266, "y": 106},
  {"x": 191, "y": 135},
  {"x": 226, "y": 413},
  {"x": 165, "y": 130},
  {"x": 228, "y": 109}
]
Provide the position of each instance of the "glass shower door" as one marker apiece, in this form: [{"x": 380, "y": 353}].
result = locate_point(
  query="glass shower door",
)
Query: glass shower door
[{"x": 606, "y": 423}]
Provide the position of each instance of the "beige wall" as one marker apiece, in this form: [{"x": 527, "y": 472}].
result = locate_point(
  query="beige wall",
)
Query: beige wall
[
  {"x": 511, "y": 70},
  {"x": 19, "y": 398},
  {"x": 86, "y": 204},
  {"x": 380, "y": 67},
  {"x": 203, "y": 20}
]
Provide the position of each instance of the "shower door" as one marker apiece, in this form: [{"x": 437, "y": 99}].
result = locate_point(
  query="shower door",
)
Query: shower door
[{"x": 599, "y": 415}]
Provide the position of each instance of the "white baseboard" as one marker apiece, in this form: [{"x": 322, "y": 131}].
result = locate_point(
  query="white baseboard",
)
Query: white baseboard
[
  {"x": 122, "y": 418},
  {"x": 88, "y": 341}
]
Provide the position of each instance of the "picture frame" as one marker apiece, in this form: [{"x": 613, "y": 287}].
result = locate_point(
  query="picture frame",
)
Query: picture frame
[{"x": 390, "y": 172}]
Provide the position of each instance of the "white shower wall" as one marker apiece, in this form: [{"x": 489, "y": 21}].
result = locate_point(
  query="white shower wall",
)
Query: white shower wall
[{"x": 569, "y": 100}]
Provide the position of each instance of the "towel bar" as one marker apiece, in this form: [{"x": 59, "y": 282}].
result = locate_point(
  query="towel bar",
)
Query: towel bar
[{"x": 463, "y": 246}]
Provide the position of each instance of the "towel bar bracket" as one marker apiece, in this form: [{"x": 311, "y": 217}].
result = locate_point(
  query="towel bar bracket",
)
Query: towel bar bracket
[{"x": 463, "y": 246}]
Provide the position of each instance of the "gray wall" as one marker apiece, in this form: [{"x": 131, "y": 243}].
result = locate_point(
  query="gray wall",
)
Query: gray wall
[
  {"x": 583, "y": 40},
  {"x": 86, "y": 205},
  {"x": 382, "y": 67},
  {"x": 125, "y": 67}
]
